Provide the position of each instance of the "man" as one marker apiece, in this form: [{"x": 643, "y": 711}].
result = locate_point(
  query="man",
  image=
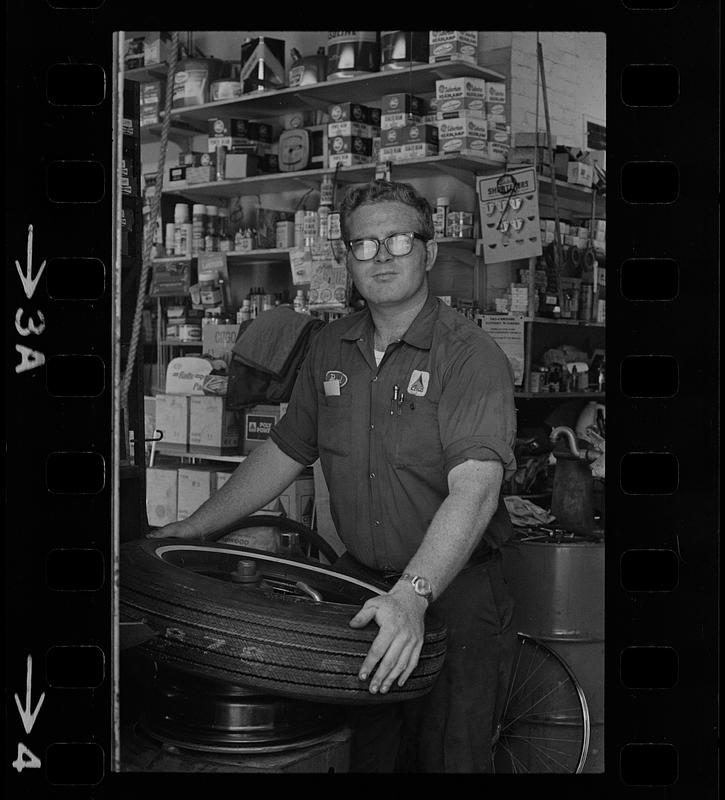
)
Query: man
[{"x": 409, "y": 407}]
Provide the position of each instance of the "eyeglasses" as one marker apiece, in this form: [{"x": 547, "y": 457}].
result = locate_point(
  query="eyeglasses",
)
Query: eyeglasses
[{"x": 397, "y": 244}]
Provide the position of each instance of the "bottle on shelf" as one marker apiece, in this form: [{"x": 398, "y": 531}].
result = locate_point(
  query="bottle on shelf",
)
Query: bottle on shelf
[
  {"x": 225, "y": 240},
  {"x": 440, "y": 217},
  {"x": 327, "y": 190},
  {"x": 245, "y": 312},
  {"x": 198, "y": 228},
  {"x": 299, "y": 302},
  {"x": 211, "y": 238}
]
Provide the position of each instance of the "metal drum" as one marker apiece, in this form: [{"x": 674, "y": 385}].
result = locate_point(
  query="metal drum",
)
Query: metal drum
[{"x": 557, "y": 582}]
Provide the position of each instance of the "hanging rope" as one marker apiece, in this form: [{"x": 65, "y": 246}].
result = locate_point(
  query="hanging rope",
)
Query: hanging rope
[{"x": 148, "y": 233}]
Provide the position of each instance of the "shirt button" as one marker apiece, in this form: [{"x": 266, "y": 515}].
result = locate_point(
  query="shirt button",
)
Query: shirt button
[
  {"x": 378, "y": 523},
  {"x": 372, "y": 427},
  {"x": 372, "y": 474},
  {"x": 374, "y": 379}
]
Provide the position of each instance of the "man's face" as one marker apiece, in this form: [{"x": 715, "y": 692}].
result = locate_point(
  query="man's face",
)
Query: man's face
[{"x": 389, "y": 280}]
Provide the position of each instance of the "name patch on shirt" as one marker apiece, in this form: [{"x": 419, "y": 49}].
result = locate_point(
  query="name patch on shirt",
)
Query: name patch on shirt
[
  {"x": 336, "y": 375},
  {"x": 418, "y": 384}
]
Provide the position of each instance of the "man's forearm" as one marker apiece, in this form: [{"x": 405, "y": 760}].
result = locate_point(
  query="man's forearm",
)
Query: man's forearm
[
  {"x": 261, "y": 477},
  {"x": 459, "y": 523}
]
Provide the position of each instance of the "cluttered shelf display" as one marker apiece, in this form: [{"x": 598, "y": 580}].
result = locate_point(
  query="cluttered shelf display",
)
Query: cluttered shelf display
[{"x": 314, "y": 129}]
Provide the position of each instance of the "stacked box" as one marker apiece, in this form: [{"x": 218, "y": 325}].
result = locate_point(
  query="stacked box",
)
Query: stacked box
[
  {"x": 212, "y": 426},
  {"x": 351, "y": 128},
  {"x": 400, "y": 109},
  {"x": 454, "y": 88},
  {"x": 464, "y": 144},
  {"x": 172, "y": 419},
  {"x": 258, "y": 422},
  {"x": 580, "y": 173},
  {"x": 462, "y": 125},
  {"x": 195, "y": 486},
  {"x": 161, "y": 494},
  {"x": 221, "y": 477},
  {"x": 349, "y": 150},
  {"x": 239, "y": 128},
  {"x": 355, "y": 112},
  {"x": 445, "y": 107},
  {"x": 496, "y": 151},
  {"x": 237, "y": 144},
  {"x": 151, "y": 102},
  {"x": 452, "y": 46},
  {"x": 417, "y": 140},
  {"x": 495, "y": 92}
]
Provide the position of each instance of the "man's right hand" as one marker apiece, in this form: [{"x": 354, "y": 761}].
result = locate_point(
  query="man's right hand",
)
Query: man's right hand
[{"x": 183, "y": 529}]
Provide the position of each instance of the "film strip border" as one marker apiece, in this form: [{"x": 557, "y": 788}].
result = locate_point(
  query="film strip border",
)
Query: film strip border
[{"x": 660, "y": 710}]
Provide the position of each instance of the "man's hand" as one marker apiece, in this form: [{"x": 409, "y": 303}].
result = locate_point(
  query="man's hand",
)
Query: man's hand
[
  {"x": 399, "y": 614},
  {"x": 183, "y": 529}
]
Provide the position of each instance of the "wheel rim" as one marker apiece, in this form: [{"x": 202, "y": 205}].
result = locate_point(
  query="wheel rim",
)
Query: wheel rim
[{"x": 545, "y": 723}]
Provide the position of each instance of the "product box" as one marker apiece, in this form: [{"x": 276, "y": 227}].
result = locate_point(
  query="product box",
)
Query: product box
[
  {"x": 496, "y": 122},
  {"x": 391, "y": 153},
  {"x": 351, "y": 128},
  {"x": 445, "y": 107},
  {"x": 495, "y": 92},
  {"x": 497, "y": 110},
  {"x": 236, "y": 144},
  {"x": 475, "y": 144},
  {"x": 413, "y": 150},
  {"x": 200, "y": 174},
  {"x": 355, "y": 112},
  {"x": 452, "y": 46},
  {"x": 170, "y": 278},
  {"x": 285, "y": 233},
  {"x": 452, "y": 88},
  {"x": 176, "y": 175},
  {"x": 151, "y": 102},
  {"x": 399, "y": 120},
  {"x": 501, "y": 135},
  {"x": 212, "y": 426},
  {"x": 297, "y": 500},
  {"x": 347, "y": 159},
  {"x": 161, "y": 494},
  {"x": 172, "y": 419},
  {"x": 258, "y": 422},
  {"x": 496, "y": 151},
  {"x": 402, "y": 103},
  {"x": 579, "y": 173},
  {"x": 420, "y": 132},
  {"x": 194, "y": 488},
  {"x": 462, "y": 126},
  {"x": 218, "y": 340},
  {"x": 221, "y": 476},
  {"x": 239, "y": 128},
  {"x": 360, "y": 145},
  {"x": 241, "y": 165},
  {"x": 156, "y": 47}
]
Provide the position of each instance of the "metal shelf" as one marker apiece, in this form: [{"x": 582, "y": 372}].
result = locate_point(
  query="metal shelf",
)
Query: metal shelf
[
  {"x": 553, "y": 321},
  {"x": 366, "y": 89},
  {"x": 149, "y": 73},
  {"x": 203, "y": 456},
  {"x": 279, "y": 182},
  {"x": 265, "y": 255},
  {"x": 558, "y": 395}
]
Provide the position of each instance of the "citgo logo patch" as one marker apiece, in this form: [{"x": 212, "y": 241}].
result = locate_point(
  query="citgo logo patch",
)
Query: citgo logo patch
[
  {"x": 418, "y": 383},
  {"x": 336, "y": 375}
]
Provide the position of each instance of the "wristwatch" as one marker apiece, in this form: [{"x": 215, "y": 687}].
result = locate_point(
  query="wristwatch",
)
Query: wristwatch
[{"x": 421, "y": 585}]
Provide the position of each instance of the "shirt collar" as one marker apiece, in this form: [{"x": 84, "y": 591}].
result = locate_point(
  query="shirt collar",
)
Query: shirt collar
[{"x": 419, "y": 334}]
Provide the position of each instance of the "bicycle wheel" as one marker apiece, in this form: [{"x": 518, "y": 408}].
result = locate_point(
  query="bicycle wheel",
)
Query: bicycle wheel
[{"x": 545, "y": 723}]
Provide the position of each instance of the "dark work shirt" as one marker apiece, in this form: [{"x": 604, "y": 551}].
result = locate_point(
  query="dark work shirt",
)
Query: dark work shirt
[{"x": 387, "y": 473}]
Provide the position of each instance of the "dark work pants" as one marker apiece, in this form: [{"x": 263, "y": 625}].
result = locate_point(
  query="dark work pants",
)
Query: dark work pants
[{"x": 452, "y": 728}]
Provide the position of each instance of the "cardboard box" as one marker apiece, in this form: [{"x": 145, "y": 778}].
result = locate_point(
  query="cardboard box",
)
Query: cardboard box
[
  {"x": 161, "y": 494},
  {"x": 172, "y": 419},
  {"x": 393, "y": 153},
  {"x": 476, "y": 144},
  {"x": 453, "y": 106},
  {"x": 455, "y": 88},
  {"x": 579, "y": 173},
  {"x": 399, "y": 120},
  {"x": 194, "y": 488},
  {"x": 360, "y": 145},
  {"x": 502, "y": 136},
  {"x": 200, "y": 174},
  {"x": 221, "y": 476},
  {"x": 495, "y": 92},
  {"x": 413, "y": 150},
  {"x": 462, "y": 126},
  {"x": 347, "y": 159},
  {"x": 496, "y": 151},
  {"x": 402, "y": 103},
  {"x": 340, "y": 112},
  {"x": 258, "y": 422},
  {"x": 213, "y": 427},
  {"x": 240, "y": 165},
  {"x": 351, "y": 128},
  {"x": 156, "y": 48},
  {"x": 239, "y": 128},
  {"x": 298, "y": 500},
  {"x": 218, "y": 340},
  {"x": 452, "y": 46},
  {"x": 420, "y": 132}
]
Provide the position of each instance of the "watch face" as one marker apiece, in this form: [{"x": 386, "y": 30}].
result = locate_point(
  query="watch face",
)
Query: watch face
[{"x": 422, "y": 586}]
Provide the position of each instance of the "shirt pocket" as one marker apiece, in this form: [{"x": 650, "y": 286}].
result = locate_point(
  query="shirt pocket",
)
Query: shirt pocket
[
  {"x": 416, "y": 439},
  {"x": 333, "y": 428}
]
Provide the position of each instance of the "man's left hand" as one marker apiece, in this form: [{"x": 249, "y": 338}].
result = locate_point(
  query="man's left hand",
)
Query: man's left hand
[{"x": 397, "y": 646}]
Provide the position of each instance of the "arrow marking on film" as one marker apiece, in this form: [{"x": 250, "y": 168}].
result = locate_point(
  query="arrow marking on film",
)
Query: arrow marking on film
[
  {"x": 29, "y": 283},
  {"x": 26, "y": 714}
]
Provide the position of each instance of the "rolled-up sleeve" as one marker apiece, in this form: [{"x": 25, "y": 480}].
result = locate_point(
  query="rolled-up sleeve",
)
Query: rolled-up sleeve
[
  {"x": 476, "y": 411},
  {"x": 296, "y": 432}
]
